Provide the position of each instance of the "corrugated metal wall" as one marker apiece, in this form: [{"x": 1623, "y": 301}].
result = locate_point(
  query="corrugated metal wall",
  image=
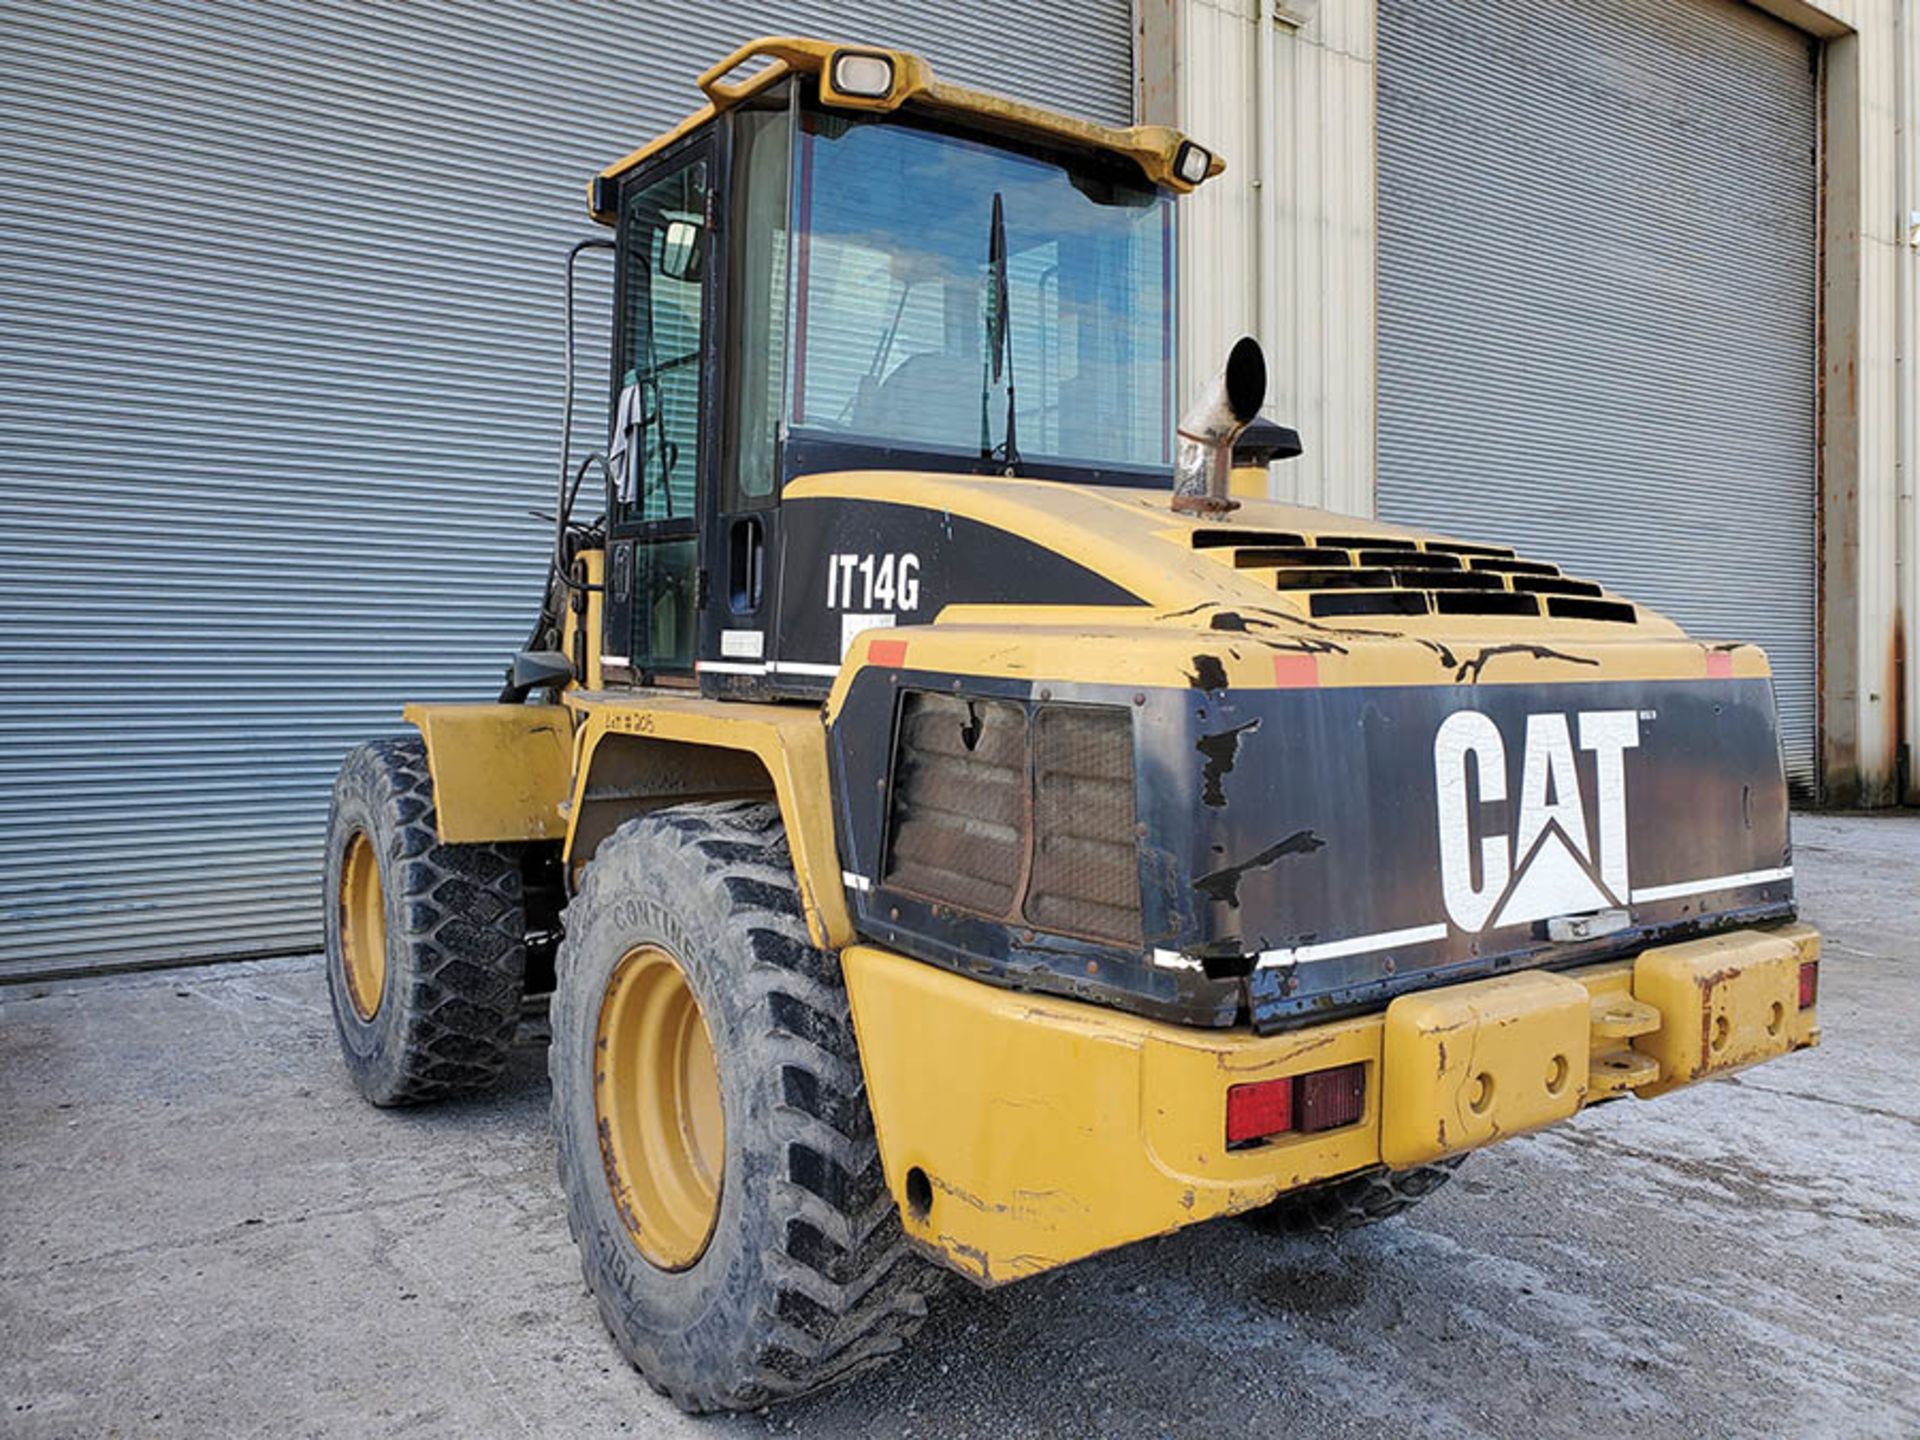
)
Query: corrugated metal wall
[
  {"x": 279, "y": 385},
  {"x": 1322, "y": 204},
  {"x": 1596, "y": 271},
  {"x": 1281, "y": 245}
]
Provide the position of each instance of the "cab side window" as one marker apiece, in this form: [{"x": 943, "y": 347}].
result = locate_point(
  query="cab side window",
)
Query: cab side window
[{"x": 655, "y": 450}]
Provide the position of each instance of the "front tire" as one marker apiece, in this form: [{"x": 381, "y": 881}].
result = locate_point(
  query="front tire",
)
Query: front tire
[
  {"x": 796, "y": 1273},
  {"x": 426, "y": 943}
]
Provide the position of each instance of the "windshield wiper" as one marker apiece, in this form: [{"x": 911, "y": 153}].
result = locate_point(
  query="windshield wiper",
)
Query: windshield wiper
[{"x": 999, "y": 341}]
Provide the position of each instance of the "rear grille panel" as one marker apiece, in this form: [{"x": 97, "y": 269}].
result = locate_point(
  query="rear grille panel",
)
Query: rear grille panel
[
  {"x": 1014, "y": 819},
  {"x": 1086, "y": 869},
  {"x": 1354, "y": 575},
  {"x": 957, "y": 831}
]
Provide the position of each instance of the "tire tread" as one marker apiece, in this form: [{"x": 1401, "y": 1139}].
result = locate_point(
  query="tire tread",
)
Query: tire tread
[
  {"x": 847, "y": 1290},
  {"x": 457, "y": 965}
]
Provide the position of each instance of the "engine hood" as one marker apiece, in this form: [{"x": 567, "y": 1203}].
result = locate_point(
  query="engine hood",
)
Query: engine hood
[
  {"x": 1363, "y": 759},
  {"x": 990, "y": 540}
]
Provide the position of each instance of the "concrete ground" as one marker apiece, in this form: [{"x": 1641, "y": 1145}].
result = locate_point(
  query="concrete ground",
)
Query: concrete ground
[{"x": 203, "y": 1231}]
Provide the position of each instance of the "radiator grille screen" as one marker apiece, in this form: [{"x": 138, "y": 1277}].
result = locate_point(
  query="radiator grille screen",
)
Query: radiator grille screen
[
  {"x": 957, "y": 830},
  {"x": 990, "y": 816},
  {"x": 1086, "y": 877}
]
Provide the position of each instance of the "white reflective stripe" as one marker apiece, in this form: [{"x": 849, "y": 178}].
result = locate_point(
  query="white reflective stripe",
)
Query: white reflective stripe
[
  {"x": 1174, "y": 960},
  {"x": 1718, "y": 882},
  {"x": 856, "y": 882},
  {"x": 750, "y": 667},
  {"x": 1357, "y": 945},
  {"x": 616, "y": 660}
]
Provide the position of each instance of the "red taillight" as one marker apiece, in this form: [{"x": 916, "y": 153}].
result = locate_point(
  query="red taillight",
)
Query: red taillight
[
  {"x": 1257, "y": 1111},
  {"x": 1332, "y": 1098},
  {"x": 1323, "y": 1100},
  {"x": 1809, "y": 983}
]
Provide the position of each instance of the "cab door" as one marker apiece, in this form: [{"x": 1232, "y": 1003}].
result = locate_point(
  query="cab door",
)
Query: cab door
[{"x": 658, "y": 450}]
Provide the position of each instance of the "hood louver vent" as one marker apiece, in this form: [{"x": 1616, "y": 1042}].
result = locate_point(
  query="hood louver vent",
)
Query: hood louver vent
[{"x": 1350, "y": 575}]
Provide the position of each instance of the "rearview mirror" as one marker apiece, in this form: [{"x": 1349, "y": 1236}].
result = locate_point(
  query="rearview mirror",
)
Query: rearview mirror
[{"x": 679, "y": 253}]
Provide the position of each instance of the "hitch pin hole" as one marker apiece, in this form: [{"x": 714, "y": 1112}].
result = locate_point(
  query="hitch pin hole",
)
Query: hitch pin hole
[
  {"x": 1557, "y": 1074},
  {"x": 919, "y": 1193}
]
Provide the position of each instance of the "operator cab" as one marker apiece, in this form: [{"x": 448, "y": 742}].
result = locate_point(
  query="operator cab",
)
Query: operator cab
[{"x": 841, "y": 264}]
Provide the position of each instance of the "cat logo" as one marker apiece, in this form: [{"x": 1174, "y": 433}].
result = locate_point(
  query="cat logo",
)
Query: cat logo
[{"x": 1554, "y": 863}]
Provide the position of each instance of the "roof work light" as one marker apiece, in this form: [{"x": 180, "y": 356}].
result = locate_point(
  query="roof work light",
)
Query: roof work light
[
  {"x": 1192, "y": 163},
  {"x": 868, "y": 76}
]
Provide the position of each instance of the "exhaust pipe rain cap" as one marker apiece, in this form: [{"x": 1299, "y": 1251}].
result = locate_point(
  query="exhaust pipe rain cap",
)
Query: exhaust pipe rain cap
[{"x": 1203, "y": 457}]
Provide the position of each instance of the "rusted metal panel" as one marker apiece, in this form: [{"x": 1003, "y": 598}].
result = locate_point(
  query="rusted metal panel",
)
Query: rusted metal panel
[{"x": 959, "y": 827}]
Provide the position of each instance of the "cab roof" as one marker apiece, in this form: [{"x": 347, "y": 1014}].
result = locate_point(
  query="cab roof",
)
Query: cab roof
[{"x": 876, "y": 79}]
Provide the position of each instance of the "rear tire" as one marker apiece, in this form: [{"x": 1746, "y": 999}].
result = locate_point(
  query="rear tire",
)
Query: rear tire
[
  {"x": 1334, "y": 1206},
  {"x": 803, "y": 1277},
  {"x": 426, "y": 943}
]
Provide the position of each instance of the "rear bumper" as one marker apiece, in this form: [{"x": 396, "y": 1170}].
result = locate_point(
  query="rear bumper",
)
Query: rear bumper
[{"x": 1020, "y": 1132}]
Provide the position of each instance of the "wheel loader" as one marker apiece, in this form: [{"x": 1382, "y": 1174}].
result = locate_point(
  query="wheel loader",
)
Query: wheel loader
[{"x": 963, "y": 825}]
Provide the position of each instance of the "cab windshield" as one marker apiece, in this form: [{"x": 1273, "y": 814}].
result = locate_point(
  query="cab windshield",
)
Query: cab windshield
[{"x": 957, "y": 297}]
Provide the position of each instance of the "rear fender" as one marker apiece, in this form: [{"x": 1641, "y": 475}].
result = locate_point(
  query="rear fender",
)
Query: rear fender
[{"x": 645, "y": 751}]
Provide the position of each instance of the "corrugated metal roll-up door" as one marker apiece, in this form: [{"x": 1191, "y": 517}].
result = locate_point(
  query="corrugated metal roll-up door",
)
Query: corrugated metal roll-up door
[
  {"x": 1597, "y": 258},
  {"x": 280, "y": 383}
]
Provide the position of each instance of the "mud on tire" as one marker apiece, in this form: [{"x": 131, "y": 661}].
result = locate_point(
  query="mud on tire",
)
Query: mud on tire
[
  {"x": 1333, "y": 1206},
  {"x": 806, "y": 1278},
  {"x": 455, "y": 932}
]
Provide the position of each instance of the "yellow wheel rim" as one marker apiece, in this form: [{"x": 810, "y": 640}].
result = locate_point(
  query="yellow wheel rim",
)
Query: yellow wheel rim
[
  {"x": 363, "y": 926},
  {"x": 656, "y": 1103}
]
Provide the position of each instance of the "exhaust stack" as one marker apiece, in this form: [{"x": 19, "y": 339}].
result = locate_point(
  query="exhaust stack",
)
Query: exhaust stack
[{"x": 1203, "y": 457}]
